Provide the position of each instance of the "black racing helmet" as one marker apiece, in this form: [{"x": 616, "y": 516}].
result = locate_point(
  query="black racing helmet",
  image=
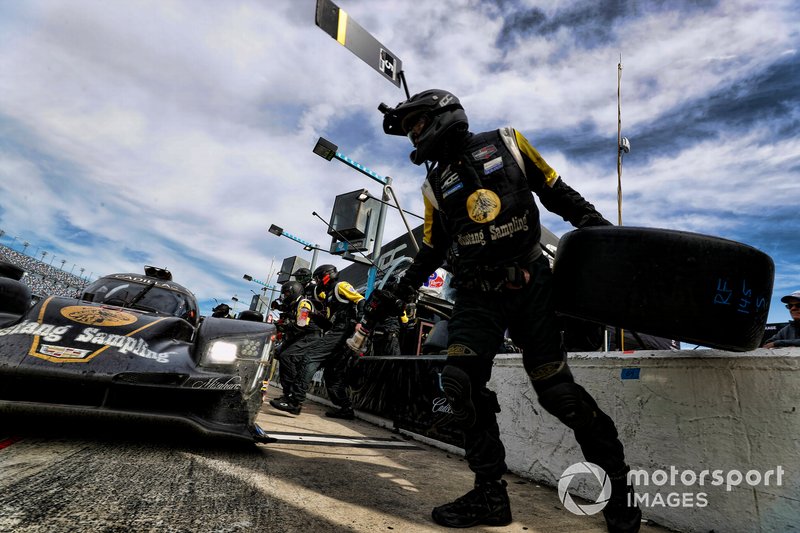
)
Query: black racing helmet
[
  {"x": 303, "y": 275},
  {"x": 325, "y": 275},
  {"x": 221, "y": 311},
  {"x": 291, "y": 291},
  {"x": 443, "y": 111}
]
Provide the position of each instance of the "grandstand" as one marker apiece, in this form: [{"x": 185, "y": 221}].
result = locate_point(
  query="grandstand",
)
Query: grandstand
[{"x": 44, "y": 279}]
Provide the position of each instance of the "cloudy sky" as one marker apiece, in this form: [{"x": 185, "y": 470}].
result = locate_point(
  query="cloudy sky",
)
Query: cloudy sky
[{"x": 175, "y": 132}]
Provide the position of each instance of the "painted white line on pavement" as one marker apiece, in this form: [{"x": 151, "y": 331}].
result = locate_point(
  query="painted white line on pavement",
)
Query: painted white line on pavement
[{"x": 331, "y": 440}]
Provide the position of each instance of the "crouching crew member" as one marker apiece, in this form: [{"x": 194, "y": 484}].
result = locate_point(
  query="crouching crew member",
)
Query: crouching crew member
[
  {"x": 299, "y": 332},
  {"x": 343, "y": 306}
]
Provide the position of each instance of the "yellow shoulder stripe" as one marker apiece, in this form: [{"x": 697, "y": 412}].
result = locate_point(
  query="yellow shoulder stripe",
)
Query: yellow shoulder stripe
[
  {"x": 427, "y": 228},
  {"x": 550, "y": 175},
  {"x": 348, "y": 292}
]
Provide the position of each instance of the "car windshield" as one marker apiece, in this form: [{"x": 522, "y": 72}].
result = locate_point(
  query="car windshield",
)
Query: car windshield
[{"x": 148, "y": 297}]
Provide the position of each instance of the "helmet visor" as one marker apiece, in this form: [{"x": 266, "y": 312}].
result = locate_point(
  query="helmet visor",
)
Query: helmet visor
[
  {"x": 416, "y": 127},
  {"x": 411, "y": 120}
]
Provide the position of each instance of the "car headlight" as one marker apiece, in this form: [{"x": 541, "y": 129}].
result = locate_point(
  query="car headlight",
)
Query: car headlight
[
  {"x": 221, "y": 353},
  {"x": 229, "y": 350}
]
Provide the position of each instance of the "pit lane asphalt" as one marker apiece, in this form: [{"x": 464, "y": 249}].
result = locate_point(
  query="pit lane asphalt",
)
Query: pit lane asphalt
[{"x": 322, "y": 475}]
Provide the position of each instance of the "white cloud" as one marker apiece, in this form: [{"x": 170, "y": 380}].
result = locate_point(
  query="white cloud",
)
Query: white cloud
[{"x": 193, "y": 122}]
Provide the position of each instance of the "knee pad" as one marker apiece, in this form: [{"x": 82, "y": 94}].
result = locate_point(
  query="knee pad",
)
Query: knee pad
[
  {"x": 457, "y": 387},
  {"x": 568, "y": 402}
]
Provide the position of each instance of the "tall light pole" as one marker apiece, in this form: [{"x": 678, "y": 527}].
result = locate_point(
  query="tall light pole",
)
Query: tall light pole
[
  {"x": 307, "y": 246},
  {"x": 266, "y": 286},
  {"x": 329, "y": 151},
  {"x": 623, "y": 146},
  {"x": 364, "y": 196},
  {"x": 264, "y": 304}
]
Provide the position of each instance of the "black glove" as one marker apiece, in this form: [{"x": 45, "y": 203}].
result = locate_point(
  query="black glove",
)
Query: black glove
[
  {"x": 320, "y": 319},
  {"x": 593, "y": 220},
  {"x": 403, "y": 290}
]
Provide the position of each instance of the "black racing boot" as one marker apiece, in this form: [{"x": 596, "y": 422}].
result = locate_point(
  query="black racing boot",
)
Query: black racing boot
[
  {"x": 283, "y": 404},
  {"x": 622, "y": 514},
  {"x": 486, "y": 504},
  {"x": 346, "y": 413}
]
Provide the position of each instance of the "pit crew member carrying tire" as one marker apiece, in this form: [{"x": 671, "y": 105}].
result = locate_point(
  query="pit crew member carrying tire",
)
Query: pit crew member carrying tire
[{"x": 481, "y": 217}]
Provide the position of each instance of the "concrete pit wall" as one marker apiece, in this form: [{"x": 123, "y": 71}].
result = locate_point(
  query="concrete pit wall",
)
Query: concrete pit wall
[{"x": 678, "y": 414}]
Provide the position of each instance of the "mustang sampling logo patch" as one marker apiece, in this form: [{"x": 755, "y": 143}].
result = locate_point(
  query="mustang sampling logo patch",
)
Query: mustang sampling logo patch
[
  {"x": 483, "y": 205},
  {"x": 97, "y": 316}
]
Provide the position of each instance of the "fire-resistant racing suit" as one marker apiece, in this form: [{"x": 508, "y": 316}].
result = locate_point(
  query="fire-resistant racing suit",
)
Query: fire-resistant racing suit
[
  {"x": 343, "y": 307},
  {"x": 481, "y": 217},
  {"x": 300, "y": 332}
]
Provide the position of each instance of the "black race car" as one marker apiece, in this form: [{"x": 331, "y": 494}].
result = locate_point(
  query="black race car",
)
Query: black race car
[{"x": 132, "y": 347}]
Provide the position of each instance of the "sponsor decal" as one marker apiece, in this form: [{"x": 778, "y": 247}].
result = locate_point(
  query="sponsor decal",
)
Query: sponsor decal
[
  {"x": 546, "y": 370},
  {"x": 97, "y": 316},
  {"x": 450, "y": 182},
  {"x": 146, "y": 281},
  {"x": 58, "y": 354},
  {"x": 457, "y": 187},
  {"x": 468, "y": 239},
  {"x": 63, "y": 352},
  {"x": 484, "y": 153},
  {"x": 232, "y": 383},
  {"x": 483, "y": 206},
  {"x": 48, "y": 332},
  {"x": 491, "y": 166},
  {"x": 460, "y": 349},
  {"x": 441, "y": 405},
  {"x": 449, "y": 178},
  {"x": 446, "y": 100},
  {"x": 123, "y": 344},
  {"x": 510, "y": 228},
  {"x": 435, "y": 281}
]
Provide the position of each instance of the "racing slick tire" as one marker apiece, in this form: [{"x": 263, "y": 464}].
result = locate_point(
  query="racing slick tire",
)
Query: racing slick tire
[
  {"x": 15, "y": 299},
  {"x": 253, "y": 316},
  {"x": 685, "y": 286},
  {"x": 10, "y": 270}
]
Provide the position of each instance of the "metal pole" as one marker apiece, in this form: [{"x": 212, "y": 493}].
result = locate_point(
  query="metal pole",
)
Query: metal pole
[
  {"x": 314, "y": 257},
  {"x": 620, "y": 331},
  {"x": 388, "y": 188},
  {"x": 619, "y": 144},
  {"x": 376, "y": 250}
]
